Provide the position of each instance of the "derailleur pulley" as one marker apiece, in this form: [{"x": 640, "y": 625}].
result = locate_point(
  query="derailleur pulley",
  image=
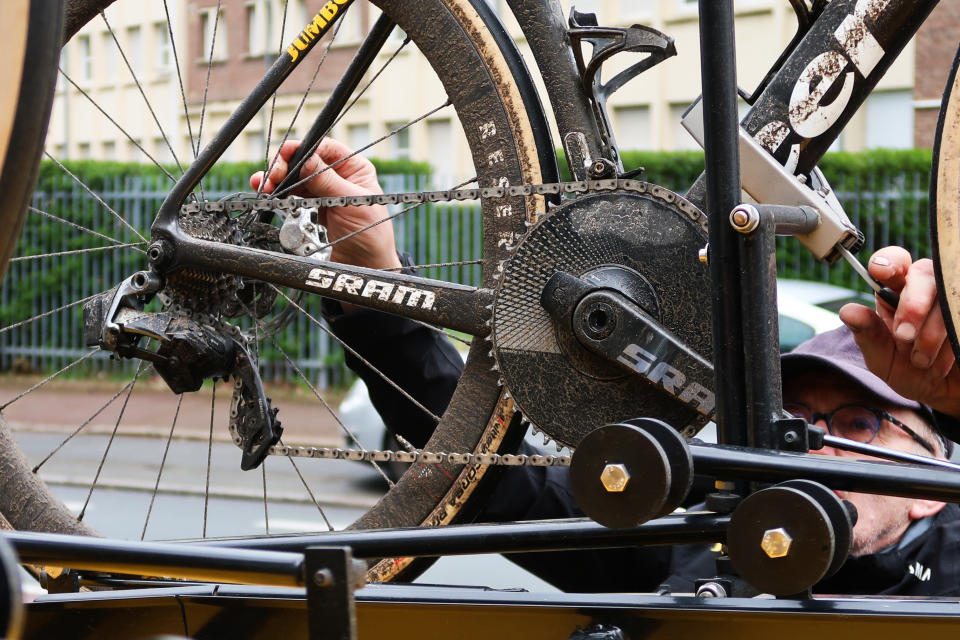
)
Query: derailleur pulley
[{"x": 189, "y": 352}]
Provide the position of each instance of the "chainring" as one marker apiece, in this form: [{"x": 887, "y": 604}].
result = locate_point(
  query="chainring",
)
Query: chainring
[{"x": 652, "y": 235}]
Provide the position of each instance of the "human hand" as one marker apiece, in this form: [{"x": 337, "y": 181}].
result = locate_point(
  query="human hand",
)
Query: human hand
[
  {"x": 374, "y": 248},
  {"x": 907, "y": 348}
]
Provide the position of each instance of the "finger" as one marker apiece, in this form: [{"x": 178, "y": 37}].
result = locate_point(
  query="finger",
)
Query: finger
[
  {"x": 322, "y": 181},
  {"x": 946, "y": 360},
  {"x": 872, "y": 337},
  {"x": 930, "y": 341},
  {"x": 890, "y": 266},
  {"x": 917, "y": 299}
]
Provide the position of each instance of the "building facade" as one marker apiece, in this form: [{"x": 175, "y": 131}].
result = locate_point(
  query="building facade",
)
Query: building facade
[{"x": 223, "y": 54}]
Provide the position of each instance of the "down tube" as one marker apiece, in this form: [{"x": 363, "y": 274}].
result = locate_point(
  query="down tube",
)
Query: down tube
[{"x": 830, "y": 74}]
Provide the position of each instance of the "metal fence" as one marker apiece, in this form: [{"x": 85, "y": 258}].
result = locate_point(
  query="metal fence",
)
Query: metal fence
[{"x": 891, "y": 211}]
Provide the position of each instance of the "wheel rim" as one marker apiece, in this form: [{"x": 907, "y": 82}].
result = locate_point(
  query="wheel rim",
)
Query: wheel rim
[{"x": 477, "y": 401}]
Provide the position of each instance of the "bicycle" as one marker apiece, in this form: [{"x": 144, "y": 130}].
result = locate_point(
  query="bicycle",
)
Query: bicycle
[{"x": 517, "y": 183}]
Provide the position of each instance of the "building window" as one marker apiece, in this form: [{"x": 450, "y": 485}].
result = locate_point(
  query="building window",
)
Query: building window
[
  {"x": 890, "y": 120},
  {"x": 108, "y": 150},
  {"x": 135, "y": 49},
  {"x": 85, "y": 59},
  {"x": 358, "y": 137},
  {"x": 442, "y": 152},
  {"x": 212, "y": 24},
  {"x": 631, "y": 9},
  {"x": 134, "y": 154},
  {"x": 682, "y": 140},
  {"x": 256, "y": 29},
  {"x": 83, "y": 150},
  {"x": 164, "y": 48},
  {"x": 296, "y": 19},
  {"x": 110, "y": 57},
  {"x": 631, "y": 126},
  {"x": 399, "y": 142},
  {"x": 161, "y": 151}
]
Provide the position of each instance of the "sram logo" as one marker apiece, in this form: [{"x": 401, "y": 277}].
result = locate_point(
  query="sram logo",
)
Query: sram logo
[
  {"x": 316, "y": 27},
  {"x": 368, "y": 288},
  {"x": 671, "y": 379},
  {"x": 810, "y": 113}
]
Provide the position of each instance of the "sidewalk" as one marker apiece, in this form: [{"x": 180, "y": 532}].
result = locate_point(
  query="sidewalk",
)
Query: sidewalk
[{"x": 62, "y": 407}]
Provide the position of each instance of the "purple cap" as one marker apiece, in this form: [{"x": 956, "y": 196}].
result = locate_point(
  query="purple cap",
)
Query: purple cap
[{"x": 837, "y": 351}]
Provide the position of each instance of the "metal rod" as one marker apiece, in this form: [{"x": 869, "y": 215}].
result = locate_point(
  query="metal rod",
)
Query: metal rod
[
  {"x": 863, "y": 476},
  {"x": 882, "y": 452},
  {"x": 758, "y": 272},
  {"x": 159, "y": 559},
  {"x": 722, "y": 158},
  {"x": 510, "y": 537}
]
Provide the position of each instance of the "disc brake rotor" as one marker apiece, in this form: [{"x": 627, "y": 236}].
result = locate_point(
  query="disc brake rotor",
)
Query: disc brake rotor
[{"x": 643, "y": 244}]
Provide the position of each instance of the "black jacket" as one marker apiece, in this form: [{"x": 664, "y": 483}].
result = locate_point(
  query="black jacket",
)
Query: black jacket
[{"x": 925, "y": 563}]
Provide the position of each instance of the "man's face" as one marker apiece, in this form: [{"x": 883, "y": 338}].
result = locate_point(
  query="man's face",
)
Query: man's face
[{"x": 882, "y": 519}]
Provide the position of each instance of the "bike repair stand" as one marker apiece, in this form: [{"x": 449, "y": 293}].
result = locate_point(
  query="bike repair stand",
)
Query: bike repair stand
[
  {"x": 332, "y": 575},
  {"x": 742, "y": 261}
]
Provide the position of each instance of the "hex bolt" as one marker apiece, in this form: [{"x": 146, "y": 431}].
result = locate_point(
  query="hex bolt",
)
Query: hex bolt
[
  {"x": 323, "y": 578},
  {"x": 745, "y": 218},
  {"x": 599, "y": 321},
  {"x": 615, "y": 477},
  {"x": 711, "y": 590},
  {"x": 776, "y": 542}
]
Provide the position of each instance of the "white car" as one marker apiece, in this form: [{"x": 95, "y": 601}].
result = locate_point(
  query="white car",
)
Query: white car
[{"x": 805, "y": 309}]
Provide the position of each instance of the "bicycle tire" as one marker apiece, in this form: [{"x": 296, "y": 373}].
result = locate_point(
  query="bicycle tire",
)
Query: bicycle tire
[
  {"x": 30, "y": 55},
  {"x": 480, "y": 78},
  {"x": 945, "y": 205}
]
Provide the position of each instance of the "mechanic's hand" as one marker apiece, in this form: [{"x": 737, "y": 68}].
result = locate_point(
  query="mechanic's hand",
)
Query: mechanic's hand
[
  {"x": 356, "y": 176},
  {"x": 908, "y": 348}
]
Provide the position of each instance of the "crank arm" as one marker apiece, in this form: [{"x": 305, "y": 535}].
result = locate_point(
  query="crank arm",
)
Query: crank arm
[{"x": 611, "y": 325}]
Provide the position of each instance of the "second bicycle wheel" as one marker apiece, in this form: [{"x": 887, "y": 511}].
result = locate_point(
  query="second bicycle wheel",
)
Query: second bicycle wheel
[{"x": 484, "y": 90}]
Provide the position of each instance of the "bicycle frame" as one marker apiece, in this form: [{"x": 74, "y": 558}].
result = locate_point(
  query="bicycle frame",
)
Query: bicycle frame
[{"x": 796, "y": 118}]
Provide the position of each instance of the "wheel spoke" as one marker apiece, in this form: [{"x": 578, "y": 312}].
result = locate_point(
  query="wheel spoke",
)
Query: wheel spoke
[
  {"x": 47, "y": 379},
  {"x": 96, "y": 413},
  {"x": 163, "y": 463},
  {"x": 79, "y": 227},
  {"x": 76, "y": 251},
  {"x": 47, "y": 313},
  {"x": 326, "y": 404},
  {"x": 306, "y": 486},
  {"x": 136, "y": 81},
  {"x": 206, "y": 490},
  {"x": 113, "y": 434},
  {"x": 117, "y": 125},
  {"x": 296, "y": 113},
  {"x": 366, "y": 362},
  {"x": 183, "y": 93},
  {"x": 296, "y": 167},
  {"x": 206, "y": 85},
  {"x": 273, "y": 103},
  {"x": 392, "y": 133},
  {"x": 83, "y": 185},
  {"x": 266, "y": 514}
]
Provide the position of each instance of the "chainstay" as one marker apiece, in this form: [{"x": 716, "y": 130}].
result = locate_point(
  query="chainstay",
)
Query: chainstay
[{"x": 579, "y": 187}]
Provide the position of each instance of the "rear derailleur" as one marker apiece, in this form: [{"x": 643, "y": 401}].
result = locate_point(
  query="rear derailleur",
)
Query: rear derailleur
[{"x": 191, "y": 349}]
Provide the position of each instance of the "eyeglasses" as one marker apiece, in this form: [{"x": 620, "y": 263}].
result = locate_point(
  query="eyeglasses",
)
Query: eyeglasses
[{"x": 855, "y": 422}]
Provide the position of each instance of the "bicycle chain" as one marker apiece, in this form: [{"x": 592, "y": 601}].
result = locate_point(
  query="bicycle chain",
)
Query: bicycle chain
[
  {"x": 422, "y": 197},
  {"x": 414, "y": 198}
]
